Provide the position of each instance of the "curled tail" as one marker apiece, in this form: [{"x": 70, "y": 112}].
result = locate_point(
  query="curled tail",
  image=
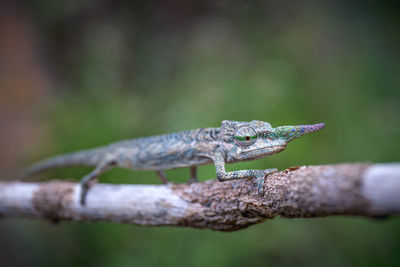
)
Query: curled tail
[{"x": 90, "y": 157}]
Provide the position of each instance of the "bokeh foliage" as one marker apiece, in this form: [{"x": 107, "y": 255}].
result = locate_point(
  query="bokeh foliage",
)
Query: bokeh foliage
[{"x": 125, "y": 70}]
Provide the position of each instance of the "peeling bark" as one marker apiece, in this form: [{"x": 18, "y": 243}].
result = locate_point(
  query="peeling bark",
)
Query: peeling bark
[{"x": 300, "y": 192}]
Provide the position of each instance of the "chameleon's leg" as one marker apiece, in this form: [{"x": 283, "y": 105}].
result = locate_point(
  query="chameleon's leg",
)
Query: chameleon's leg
[
  {"x": 222, "y": 175},
  {"x": 89, "y": 179},
  {"x": 193, "y": 174},
  {"x": 162, "y": 177}
]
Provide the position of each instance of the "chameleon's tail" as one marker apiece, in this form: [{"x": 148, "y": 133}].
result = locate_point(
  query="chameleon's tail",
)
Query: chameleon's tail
[{"x": 90, "y": 157}]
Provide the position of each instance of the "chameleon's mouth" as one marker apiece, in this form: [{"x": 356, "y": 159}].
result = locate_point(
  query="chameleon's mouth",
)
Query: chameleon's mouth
[
  {"x": 258, "y": 153},
  {"x": 265, "y": 151},
  {"x": 278, "y": 148}
]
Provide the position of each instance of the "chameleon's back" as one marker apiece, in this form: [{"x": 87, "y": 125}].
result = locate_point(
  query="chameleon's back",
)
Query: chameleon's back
[{"x": 168, "y": 151}]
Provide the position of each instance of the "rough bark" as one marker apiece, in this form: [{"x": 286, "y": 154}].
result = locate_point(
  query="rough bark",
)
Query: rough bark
[{"x": 300, "y": 192}]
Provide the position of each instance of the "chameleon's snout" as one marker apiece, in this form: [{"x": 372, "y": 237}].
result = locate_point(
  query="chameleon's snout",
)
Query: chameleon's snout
[
  {"x": 292, "y": 132},
  {"x": 305, "y": 129}
]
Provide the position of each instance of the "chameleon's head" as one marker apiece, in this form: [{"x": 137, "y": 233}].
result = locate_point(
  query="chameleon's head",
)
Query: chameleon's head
[{"x": 257, "y": 139}]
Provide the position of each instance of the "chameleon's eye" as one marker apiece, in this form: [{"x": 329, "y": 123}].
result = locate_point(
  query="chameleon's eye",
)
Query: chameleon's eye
[{"x": 245, "y": 136}]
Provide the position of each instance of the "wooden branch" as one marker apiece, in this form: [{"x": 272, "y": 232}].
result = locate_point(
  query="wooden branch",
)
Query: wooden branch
[{"x": 314, "y": 191}]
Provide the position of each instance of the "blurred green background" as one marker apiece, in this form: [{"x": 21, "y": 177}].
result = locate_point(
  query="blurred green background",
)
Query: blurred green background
[{"x": 80, "y": 74}]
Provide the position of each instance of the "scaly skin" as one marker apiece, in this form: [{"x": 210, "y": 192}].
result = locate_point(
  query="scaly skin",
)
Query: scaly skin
[{"x": 235, "y": 141}]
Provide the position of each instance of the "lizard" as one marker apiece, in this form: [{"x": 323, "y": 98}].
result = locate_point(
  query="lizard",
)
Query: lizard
[{"x": 234, "y": 141}]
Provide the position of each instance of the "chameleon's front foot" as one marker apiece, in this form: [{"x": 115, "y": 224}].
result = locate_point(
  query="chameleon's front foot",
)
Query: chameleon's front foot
[{"x": 260, "y": 178}]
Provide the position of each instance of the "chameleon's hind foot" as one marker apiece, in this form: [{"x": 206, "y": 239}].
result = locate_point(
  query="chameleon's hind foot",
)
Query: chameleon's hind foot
[
  {"x": 86, "y": 183},
  {"x": 163, "y": 177},
  {"x": 84, "y": 190},
  {"x": 91, "y": 178},
  {"x": 193, "y": 175},
  {"x": 260, "y": 179}
]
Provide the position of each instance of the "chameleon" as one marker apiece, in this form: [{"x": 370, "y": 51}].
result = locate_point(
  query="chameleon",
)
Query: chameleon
[{"x": 234, "y": 141}]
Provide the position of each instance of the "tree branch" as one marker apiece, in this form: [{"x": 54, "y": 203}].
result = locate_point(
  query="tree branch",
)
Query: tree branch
[{"x": 300, "y": 192}]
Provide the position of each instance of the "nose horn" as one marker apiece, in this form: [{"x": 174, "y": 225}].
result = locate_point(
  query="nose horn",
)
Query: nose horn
[
  {"x": 293, "y": 132},
  {"x": 310, "y": 128}
]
